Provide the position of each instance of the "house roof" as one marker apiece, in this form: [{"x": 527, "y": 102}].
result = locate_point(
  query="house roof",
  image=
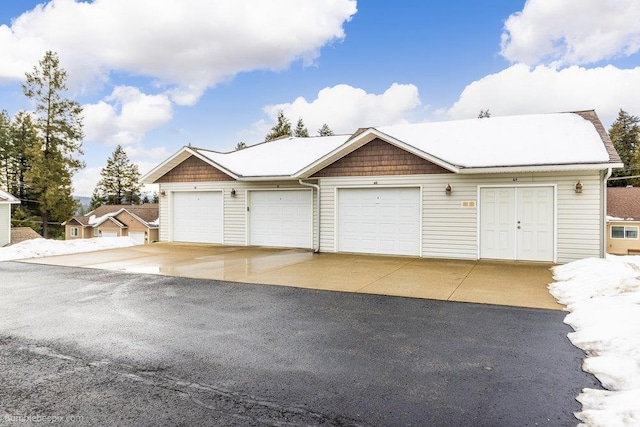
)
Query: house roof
[
  {"x": 533, "y": 142},
  {"x": 6, "y": 198},
  {"x": 146, "y": 213},
  {"x": 623, "y": 203},
  {"x": 21, "y": 234}
]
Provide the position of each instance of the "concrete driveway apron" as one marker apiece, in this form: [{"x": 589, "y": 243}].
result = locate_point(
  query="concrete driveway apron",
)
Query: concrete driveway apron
[{"x": 489, "y": 282}]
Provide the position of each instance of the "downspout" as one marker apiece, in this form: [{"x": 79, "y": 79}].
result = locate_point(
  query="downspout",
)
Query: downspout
[
  {"x": 317, "y": 187},
  {"x": 604, "y": 212}
]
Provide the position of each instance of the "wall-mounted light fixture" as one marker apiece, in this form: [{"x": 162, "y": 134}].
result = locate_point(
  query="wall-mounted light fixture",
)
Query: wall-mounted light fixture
[
  {"x": 448, "y": 189},
  {"x": 578, "y": 187},
  {"x": 163, "y": 193},
  {"x": 233, "y": 192}
]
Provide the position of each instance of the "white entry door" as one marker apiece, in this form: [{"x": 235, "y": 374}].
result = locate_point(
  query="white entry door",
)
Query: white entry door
[
  {"x": 379, "y": 220},
  {"x": 517, "y": 223},
  {"x": 197, "y": 216},
  {"x": 281, "y": 218}
]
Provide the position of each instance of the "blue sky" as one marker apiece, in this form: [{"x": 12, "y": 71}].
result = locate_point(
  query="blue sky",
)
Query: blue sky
[{"x": 154, "y": 75}]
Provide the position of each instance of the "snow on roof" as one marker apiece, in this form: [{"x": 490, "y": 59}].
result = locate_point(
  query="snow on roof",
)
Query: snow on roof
[
  {"x": 534, "y": 139},
  {"x": 281, "y": 157}
]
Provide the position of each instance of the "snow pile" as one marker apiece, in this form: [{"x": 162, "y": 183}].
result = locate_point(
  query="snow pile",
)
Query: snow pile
[
  {"x": 603, "y": 296},
  {"x": 36, "y": 248}
]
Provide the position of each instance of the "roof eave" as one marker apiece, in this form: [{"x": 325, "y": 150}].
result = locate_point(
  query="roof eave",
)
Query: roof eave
[
  {"x": 156, "y": 173},
  {"x": 540, "y": 168}
]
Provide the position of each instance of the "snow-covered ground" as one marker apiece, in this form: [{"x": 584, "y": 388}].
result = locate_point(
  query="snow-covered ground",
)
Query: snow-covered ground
[
  {"x": 603, "y": 296},
  {"x": 36, "y": 248}
]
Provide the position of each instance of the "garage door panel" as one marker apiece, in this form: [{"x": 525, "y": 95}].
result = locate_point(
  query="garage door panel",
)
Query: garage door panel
[
  {"x": 197, "y": 217},
  {"x": 281, "y": 218},
  {"x": 379, "y": 220}
]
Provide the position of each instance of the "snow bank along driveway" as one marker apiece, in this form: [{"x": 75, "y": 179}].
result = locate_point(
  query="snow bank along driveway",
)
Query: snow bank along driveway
[{"x": 603, "y": 296}]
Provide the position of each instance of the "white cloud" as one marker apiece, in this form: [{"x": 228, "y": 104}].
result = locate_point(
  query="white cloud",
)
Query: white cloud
[
  {"x": 188, "y": 45},
  {"x": 521, "y": 90},
  {"x": 125, "y": 116},
  {"x": 345, "y": 108},
  {"x": 572, "y": 31},
  {"x": 84, "y": 182}
]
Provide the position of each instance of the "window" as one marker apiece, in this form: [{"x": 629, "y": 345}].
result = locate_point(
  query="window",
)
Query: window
[
  {"x": 624, "y": 232},
  {"x": 96, "y": 232},
  {"x": 74, "y": 231}
]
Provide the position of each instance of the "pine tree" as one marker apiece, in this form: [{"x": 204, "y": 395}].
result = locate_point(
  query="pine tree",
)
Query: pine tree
[
  {"x": 301, "y": 130},
  {"x": 6, "y": 149},
  {"x": 625, "y": 135},
  {"x": 281, "y": 128},
  {"x": 484, "y": 114},
  {"x": 24, "y": 136},
  {"x": 59, "y": 126},
  {"x": 325, "y": 131},
  {"x": 240, "y": 146},
  {"x": 119, "y": 183}
]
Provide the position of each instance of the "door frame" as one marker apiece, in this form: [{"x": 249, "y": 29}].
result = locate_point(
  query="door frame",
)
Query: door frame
[
  {"x": 171, "y": 194},
  {"x": 375, "y": 185},
  {"x": 516, "y": 186},
  {"x": 247, "y": 213}
]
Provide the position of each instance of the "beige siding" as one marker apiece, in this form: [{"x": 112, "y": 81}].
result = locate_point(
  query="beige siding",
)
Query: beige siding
[
  {"x": 235, "y": 208},
  {"x": 5, "y": 224},
  {"x": 450, "y": 230},
  {"x": 622, "y": 246}
]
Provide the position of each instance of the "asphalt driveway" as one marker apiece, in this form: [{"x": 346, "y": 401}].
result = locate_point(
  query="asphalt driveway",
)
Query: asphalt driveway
[
  {"x": 488, "y": 282},
  {"x": 112, "y": 348}
]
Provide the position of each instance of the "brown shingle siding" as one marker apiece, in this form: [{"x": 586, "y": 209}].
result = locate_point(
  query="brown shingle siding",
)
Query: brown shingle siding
[
  {"x": 380, "y": 158},
  {"x": 194, "y": 169}
]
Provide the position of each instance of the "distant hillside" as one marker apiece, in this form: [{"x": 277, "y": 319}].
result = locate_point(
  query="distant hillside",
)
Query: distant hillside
[{"x": 84, "y": 204}]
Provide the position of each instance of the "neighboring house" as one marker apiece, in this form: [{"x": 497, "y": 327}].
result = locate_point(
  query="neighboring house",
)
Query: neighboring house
[
  {"x": 139, "y": 222},
  {"x": 6, "y": 200},
  {"x": 623, "y": 220},
  {"x": 526, "y": 187}
]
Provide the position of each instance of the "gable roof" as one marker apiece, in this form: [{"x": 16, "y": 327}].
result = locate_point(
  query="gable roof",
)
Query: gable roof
[
  {"x": 6, "y": 198},
  {"x": 525, "y": 143},
  {"x": 498, "y": 144},
  {"x": 147, "y": 214},
  {"x": 623, "y": 203},
  {"x": 280, "y": 158}
]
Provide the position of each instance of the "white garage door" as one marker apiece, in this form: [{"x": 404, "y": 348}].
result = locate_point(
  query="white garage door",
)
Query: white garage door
[
  {"x": 517, "y": 223},
  {"x": 138, "y": 236},
  {"x": 282, "y": 218},
  {"x": 109, "y": 234},
  {"x": 197, "y": 216},
  {"x": 379, "y": 220}
]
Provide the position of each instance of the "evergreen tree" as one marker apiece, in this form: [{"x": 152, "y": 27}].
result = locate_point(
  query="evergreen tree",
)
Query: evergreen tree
[
  {"x": 24, "y": 136},
  {"x": 119, "y": 183},
  {"x": 281, "y": 128},
  {"x": 59, "y": 126},
  {"x": 625, "y": 135},
  {"x": 325, "y": 131},
  {"x": 240, "y": 145},
  {"x": 6, "y": 156},
  {"x": 484, "y": 114},
  {"x": 301, "y": 130}
]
